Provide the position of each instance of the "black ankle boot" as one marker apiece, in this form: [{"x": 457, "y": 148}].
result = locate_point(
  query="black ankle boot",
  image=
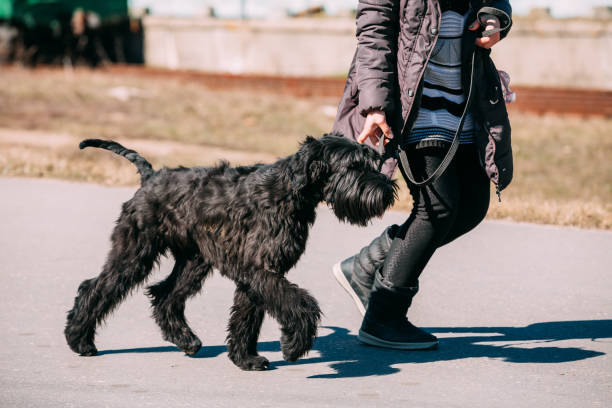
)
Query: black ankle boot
[
  {"x": 356, "y": 274},
  {"x": 385, "y": 323}
]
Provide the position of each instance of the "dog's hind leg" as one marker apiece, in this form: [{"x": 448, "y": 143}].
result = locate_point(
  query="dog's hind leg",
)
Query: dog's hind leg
[
  {"x": 244, "y": 325},
  {"x": 293, "y": 307},
  {"x": 168, "y": 298},
  {"x": 133, "y": 254}
]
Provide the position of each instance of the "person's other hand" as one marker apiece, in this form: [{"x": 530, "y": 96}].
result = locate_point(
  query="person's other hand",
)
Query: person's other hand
[
  {"x": 491, "y": 23},
  {"x": 375, "y": 126}
]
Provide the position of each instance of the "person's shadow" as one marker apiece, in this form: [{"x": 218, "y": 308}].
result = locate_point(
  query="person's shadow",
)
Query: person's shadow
[{"x": 348, "y": 358}]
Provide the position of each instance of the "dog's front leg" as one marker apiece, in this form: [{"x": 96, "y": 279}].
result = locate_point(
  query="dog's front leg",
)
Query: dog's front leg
[
  {"x": 297, "y": 312},
  {"x": 244, "y": 325}
]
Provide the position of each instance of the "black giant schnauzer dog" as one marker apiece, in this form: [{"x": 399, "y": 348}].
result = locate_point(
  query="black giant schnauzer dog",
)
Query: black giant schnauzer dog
[{"x": 251, "y": 223}]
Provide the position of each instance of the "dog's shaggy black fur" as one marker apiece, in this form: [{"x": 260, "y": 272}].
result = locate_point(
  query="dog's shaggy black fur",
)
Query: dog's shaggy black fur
[{"x": 251, "y": 223}]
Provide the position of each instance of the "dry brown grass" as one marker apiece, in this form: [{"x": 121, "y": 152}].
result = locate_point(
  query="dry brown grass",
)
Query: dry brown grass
[
  {"x": 563, "y": 170},
  {"x": 45, "y": 154},
  {"x": 80, "y": 104}
]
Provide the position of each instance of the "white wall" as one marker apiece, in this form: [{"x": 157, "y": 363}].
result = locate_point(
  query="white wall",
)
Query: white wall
[{"x": 546, "y": 52}]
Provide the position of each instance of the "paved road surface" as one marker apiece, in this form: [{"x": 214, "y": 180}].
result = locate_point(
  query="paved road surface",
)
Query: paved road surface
[{"x": 524, "y": 314}]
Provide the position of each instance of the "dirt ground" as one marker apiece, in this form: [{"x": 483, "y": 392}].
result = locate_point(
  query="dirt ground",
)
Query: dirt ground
[{"x": 563, "y": 174}]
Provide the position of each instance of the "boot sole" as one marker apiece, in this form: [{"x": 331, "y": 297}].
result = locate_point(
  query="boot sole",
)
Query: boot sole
[
  {"x": 347, "y": 287},
  {"x": 375, "y": 341}
]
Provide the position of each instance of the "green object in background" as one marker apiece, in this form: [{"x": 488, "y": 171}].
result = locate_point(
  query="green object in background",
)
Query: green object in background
[
  {"x": 6, "y": 9},
  {"x": 106, "y": 9},
  {"x": 36, "y": 13}
]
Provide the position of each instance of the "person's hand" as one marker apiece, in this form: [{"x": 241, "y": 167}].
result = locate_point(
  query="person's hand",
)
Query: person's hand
[
  {"x": 491, "y": 23},
  {"x": 375, "y": 126}
]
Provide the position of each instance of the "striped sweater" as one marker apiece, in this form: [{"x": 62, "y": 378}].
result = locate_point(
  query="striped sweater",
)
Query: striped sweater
[{"x": 443, "y": 99}]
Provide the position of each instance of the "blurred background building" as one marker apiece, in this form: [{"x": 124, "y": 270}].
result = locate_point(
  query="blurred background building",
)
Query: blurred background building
[{"x": 558, "y": 43}]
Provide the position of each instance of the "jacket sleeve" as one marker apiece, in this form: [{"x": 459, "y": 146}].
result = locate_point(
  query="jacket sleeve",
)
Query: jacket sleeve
[
  {"x": 377, "y": 30},
  {"x": 502, "y": 10}
]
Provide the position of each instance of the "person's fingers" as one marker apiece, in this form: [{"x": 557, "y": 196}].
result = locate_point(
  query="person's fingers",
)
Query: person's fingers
[
  {"x": 488, "y": 42},
  {"x": 474, "y": 26},
  {"x": 492, "y": 22},
  {"x": 383, "y": 129},
  {"x": 483, "y": 41},
  {"x": 375, "y": 136},
  {"x": 362, "y": 136},
  {"x": 374, "y": 128},
  {"x": 368, "y": 129},
  {"x": 386, "y": 130}
]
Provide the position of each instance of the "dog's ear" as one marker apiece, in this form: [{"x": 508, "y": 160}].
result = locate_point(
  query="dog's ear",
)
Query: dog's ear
[
  {"x": 315, "y": 168},
  {"x": 311, "y": 168},
  {"x": 313, "y": 172}
]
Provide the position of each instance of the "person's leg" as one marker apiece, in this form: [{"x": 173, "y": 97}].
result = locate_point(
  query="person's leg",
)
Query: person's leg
[
  {"x": 474, "y": 192},
  {"x": 356, "y": 273},
  {"x": 433, "y": 215}
]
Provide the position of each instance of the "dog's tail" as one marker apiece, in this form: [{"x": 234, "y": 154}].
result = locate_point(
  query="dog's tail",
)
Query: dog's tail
[{"x": 144, "y": 167}]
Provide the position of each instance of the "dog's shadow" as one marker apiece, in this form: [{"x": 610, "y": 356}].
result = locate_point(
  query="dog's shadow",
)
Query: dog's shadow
[{"x": 348, "y": 358}]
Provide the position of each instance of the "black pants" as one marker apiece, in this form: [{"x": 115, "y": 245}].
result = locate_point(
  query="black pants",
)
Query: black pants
[{"x": 444, "y": 210}]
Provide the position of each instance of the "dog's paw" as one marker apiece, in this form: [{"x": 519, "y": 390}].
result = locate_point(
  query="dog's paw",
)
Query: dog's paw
[
  {"x": 192, "y": 347},
  {"x": 252, "y": 363},
  {"x": 292, "y": 355},
  {"x": 185, "y": 340},
  {"x": 294, "y": 347},
  {"x": 257, "y": 363},
  {"x": 87, "y": 350},
  {"x": 81, "y": 346}
]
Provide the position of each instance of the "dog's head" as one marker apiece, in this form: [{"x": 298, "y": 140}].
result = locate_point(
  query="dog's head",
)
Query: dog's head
[{"x": 348, "y": 175}]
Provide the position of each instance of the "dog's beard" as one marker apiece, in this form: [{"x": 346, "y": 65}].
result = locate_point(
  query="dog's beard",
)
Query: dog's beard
[{"x": 356, "y": 196}]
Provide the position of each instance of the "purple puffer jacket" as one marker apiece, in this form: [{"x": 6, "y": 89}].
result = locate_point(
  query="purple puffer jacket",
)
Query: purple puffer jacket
[{"x": 395, "y": 41}]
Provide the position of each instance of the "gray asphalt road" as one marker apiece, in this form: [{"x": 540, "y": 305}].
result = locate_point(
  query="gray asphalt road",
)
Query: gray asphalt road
[{"x": 524, "y": 314}]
